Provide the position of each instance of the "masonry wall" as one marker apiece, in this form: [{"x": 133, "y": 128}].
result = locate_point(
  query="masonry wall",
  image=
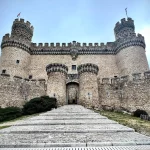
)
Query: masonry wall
[
  {"x": 125, "y": 95},
  {"x": 56, "y": 87},
  {"x": 15, "y": 91},
  {"x": 8, "y": 61},
  {"x": 88, "y": 90},
  {"x": 131, "y": 60},
  {"x": 106, "y": 64}
]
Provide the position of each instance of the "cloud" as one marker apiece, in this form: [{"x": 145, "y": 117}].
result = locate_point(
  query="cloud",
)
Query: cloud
[{"x": 145, "y": 31}]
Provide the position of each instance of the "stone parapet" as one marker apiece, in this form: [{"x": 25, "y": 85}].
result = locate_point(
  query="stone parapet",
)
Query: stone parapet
[
  {"x": 9, "y": 41},
  {"x": 56, "y": 67},
  {"x": 133, "y": 40},
  {"x": 88, "y": 68},
  {"x": 129, "y": 23},
  {"x": 22, "y": 29}
]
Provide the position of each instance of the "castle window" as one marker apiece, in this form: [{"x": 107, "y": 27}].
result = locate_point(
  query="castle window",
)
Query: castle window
[
  {"x": 30, "y": 76},
  {"x": 17, "y": 61},
  {"x": 3, "y": 71},
  {"x": 73, "y": 67}
]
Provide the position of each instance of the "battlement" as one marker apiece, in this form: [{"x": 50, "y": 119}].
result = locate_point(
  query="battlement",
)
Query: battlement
[
  {"x": 134, "y": 77},
  {"x": 6, "y": 37},
  {"x": 21, "y": 21},
  {"x": 56, "y": 67},
  {"x": 88, "y": 67},
  {"x": 129, "y": 23},
  {"x": 19, "y": 79},
  {"x": 73, "y": 44}
]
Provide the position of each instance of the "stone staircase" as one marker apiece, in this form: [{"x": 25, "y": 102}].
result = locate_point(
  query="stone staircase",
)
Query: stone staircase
[{"x": 71, "y": 127}]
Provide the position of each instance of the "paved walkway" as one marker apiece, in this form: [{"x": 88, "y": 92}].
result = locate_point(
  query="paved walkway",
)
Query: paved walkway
[{"x": 71, "y": 126}]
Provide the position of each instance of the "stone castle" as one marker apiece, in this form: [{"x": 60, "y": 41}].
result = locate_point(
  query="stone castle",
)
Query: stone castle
[{"x": 111, "y": 76}]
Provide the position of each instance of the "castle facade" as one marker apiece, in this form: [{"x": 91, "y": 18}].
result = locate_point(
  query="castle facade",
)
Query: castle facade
[{"x": 93, "y": 75}]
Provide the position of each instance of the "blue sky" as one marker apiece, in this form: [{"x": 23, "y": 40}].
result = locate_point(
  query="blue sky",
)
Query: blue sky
[{"x": 80, "y": 20}]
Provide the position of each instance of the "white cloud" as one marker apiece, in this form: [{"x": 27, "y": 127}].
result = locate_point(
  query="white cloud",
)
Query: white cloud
[{"x": 145, "y": 31}]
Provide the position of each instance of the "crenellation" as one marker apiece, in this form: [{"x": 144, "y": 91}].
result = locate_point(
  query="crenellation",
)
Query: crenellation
[
  {"x": 46, "y": 44},
  {"x": 90, "y": 44},
  {"x": 84, "y": 44},
  {"x": 63, "y": 44},
  {"x": 28, "y": 23},
  {"x": 52, "y": 44},
  {"x": 123, "y": 20},
  {"x": 96, "y": 44},
  {"x": 40, "y": 44},
  {"x": 78, "y": 44},
  {"x": 57, "y": 44},
  {"x": 22, "y": 20}
]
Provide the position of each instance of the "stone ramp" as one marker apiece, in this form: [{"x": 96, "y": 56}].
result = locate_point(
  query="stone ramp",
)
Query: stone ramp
[{"x": 71, "y": 126}]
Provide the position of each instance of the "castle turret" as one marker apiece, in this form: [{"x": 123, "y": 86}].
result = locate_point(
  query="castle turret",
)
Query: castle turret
[
  {"x": 16, "y": 49},
  {"x": 130, "y": 48},
  {"x": 56, "y": 84},
  {"x": 88, "y": 86}
]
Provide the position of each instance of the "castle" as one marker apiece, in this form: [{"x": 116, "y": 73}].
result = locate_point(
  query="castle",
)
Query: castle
[{"x": 111, "y": 76}]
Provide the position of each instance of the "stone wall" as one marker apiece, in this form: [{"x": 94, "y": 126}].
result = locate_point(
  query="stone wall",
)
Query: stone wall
[
  {"x": 56, "y": 87},
  {"x": 9, "y": 58},
  {"x": 132, "y": 60},
  {"x": 88, "y": 86},
  {"x": 125, "y": 94},
  {"x": 15, "y": 91},
  {"x": 106, "y": 64}
]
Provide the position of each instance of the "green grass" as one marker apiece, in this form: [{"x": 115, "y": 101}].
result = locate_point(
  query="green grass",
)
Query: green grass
[
  {"x": 16, "y": 119},
  {"x": 141, "y": 126},
  {"x": 2, "y": 127}
]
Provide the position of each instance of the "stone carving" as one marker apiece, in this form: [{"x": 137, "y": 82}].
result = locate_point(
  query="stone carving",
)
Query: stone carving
[{"x": 74, "y": 53}]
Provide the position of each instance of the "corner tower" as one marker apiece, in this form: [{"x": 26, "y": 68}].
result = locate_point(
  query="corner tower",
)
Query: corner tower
[
  {"x": 16, "y": 49},
  {"x": 130, "y": 48}
]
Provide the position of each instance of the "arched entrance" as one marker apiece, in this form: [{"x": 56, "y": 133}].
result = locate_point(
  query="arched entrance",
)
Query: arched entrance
[{"x": 72, "y": 93}]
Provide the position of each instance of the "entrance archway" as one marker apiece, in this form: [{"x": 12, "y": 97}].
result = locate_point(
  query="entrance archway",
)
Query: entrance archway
[{"x": 72, "y": 93}]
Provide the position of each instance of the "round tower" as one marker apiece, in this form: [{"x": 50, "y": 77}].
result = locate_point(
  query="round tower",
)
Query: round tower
[
  {"x": 88, "y": 86},
  {"x": 56, "y": 84},
  {"x": 16, "y": 49},
  {"x": 130, "y": 48}
]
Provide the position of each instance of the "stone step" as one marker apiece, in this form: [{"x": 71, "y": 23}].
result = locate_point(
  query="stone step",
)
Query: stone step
[
  {"x": 93, "y": 139},
  {"x": 68, "y": 129},
  {"x": 85, "y": 148},
  {"x": 71, "y": 126},
  {"x": 66, "y": 117},
  {"x": 68, "y": 114},
  {"x": 66, "y": 122}
]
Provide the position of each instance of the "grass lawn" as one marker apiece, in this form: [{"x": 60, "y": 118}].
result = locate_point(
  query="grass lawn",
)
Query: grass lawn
[
  {"x": 5, "y": 124},
  {"x": 141, "y": 126}
]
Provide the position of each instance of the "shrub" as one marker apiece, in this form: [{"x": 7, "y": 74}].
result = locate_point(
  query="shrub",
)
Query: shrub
[
  {"x": 39, "y": 104},
  {"x": 139, "y": 112},
  {"x": 10, "y": 113}
]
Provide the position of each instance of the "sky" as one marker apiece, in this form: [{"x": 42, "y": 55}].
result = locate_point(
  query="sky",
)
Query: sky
[{"x": 64, "y": 21}]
